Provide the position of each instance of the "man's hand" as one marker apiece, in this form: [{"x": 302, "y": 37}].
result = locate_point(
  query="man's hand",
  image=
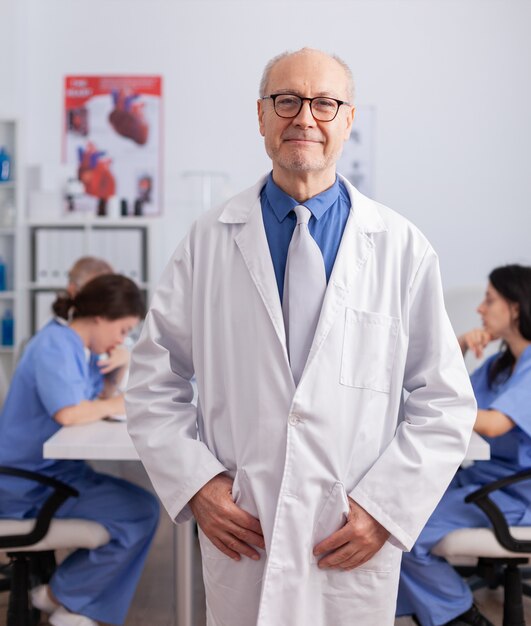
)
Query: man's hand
[
  {"x": 354, "y": 544},
  {"x": 231, "y": 529}
]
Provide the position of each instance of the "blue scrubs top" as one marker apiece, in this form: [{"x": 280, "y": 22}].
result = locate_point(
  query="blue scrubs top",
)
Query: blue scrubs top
[
  {"x": 55, "y": 371},
  {"x": 510, "y": 452}
]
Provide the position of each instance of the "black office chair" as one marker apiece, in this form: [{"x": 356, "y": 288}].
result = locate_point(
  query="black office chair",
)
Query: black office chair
[
  {"x": 501, "y": 551},
  {"x": 30, "y": 545}
]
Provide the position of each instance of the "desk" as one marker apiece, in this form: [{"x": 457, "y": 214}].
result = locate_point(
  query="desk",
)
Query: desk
[
  {"x": 478, "y": 448},
  {"x": 110, "y": 441},
  {"x": 98, "y": 441},
  {"x": 105, "y": 440}
]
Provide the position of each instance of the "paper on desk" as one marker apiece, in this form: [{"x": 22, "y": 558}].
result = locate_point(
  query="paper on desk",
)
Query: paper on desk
[{"x": 119, "y": 417}]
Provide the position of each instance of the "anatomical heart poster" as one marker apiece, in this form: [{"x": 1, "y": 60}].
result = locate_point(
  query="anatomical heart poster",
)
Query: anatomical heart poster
[{"x": 112, "y": 144}]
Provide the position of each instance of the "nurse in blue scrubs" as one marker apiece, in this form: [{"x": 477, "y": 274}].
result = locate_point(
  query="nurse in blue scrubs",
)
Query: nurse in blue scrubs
[
  {"x": 59, "y": 382},
  {"x": 430, "y": 588}
]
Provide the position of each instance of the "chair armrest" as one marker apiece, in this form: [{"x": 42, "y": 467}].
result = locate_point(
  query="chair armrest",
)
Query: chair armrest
[
  {"x": 480, "y": 498},
  {"x": 61, "y": 492}
]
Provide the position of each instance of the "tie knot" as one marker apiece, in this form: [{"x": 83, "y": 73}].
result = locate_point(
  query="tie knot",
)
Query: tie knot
[{"x": 303, "y": 214}]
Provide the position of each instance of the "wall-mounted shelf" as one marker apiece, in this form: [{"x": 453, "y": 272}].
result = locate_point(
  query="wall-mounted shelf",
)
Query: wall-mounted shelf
[
  {"x": 12, "y": 299},
  {"x": 55, "y": 245}
]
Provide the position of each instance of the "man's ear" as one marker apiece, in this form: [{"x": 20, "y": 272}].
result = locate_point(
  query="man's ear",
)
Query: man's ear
[
  {"x": 261, "y": 113},
  {"x": 349, "y": 122}
]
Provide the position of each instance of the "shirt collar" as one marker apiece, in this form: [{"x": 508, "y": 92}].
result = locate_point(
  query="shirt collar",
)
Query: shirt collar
[{"x": 282, "y": 204}]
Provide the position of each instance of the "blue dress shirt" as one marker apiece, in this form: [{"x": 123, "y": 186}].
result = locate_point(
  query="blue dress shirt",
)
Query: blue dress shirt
[{"x": 330, "y": 210}]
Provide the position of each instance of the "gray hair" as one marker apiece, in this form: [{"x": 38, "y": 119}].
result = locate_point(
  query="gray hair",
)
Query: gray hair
[
  {"x": 86, "y": 268},
  {"x": 267, "y": 71}
]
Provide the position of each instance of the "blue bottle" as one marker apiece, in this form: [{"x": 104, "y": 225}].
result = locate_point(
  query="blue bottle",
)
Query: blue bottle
[
  {"x": 3, "y": 286},
  {"x": 5, "y": 165},
  {"x": 8, "y": 329}
]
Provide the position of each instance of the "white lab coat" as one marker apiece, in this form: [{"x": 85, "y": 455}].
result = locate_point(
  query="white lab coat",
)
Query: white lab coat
[{"x": 296, "y": 453}]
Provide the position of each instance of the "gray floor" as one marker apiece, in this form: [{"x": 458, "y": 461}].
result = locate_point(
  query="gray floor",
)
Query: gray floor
[{"x": 153, "y": 602}]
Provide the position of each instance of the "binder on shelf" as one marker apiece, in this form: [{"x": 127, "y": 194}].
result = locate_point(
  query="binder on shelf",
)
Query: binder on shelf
[
  {"x": 123, "y": 248},
  {"x": 56, "y": 250},
  {"x": 42, "y": 308}
]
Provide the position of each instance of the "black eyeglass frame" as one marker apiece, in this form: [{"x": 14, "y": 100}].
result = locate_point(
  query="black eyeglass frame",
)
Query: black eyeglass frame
[{"x": 274, "y": 96}]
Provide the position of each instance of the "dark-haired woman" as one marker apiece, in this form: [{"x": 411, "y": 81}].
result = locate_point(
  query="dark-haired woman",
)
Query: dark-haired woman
[
  {"x": 59, "y": 383},
  {"x": 429, "y": 587}
]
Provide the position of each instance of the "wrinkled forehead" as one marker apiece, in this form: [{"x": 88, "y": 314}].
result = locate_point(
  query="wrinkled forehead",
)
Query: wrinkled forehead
[{"x": 309, "y": 74}]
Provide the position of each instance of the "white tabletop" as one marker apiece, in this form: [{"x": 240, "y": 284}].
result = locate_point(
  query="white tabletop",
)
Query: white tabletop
[
  {"x": 110, "y": 441},
  {"x": 478, "y": 448},
  {"x": 101, "y": 440}
]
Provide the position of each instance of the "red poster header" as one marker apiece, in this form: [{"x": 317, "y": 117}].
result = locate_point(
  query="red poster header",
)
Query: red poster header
[{"x": 79, "y": 89}]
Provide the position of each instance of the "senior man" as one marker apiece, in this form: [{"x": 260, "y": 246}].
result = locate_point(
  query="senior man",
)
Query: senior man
[{"x": 305, "y": 310}]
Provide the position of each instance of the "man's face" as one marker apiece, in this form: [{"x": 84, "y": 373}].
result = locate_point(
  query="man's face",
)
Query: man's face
[{"x": 303, "y": 144}]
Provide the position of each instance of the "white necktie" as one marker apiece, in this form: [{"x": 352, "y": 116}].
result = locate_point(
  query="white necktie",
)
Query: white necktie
[{"x": 304, "y": 289}]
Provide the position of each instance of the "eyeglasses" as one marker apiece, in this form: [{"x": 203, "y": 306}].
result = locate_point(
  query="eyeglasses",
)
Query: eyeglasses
[{"x": 288, "y": 105}]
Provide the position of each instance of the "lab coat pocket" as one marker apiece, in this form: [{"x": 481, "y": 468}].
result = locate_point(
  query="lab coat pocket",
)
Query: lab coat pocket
[
  {"x": 385, "y": 560},
  {"x": 368, "y": 350},
  {"x": 243, "y": 497},
  {"x": 242, "y": 493},
  {"x": 332, "y": 516},
  {"x": 208, "y": 549}
]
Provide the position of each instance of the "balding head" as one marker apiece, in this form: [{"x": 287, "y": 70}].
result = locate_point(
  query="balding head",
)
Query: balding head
[
  {"x": 304, "y": 147},
  {"x": 85, "y": 269},
  {"x": 349, "y": 80}
]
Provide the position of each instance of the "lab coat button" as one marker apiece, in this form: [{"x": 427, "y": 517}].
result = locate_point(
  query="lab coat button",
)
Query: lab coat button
[{"x": 293, "y": 420}]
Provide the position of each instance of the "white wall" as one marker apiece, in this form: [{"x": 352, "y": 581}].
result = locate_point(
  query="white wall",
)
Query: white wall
[
  {"x": 449, "y": 80},
  {"x": 11, "y": 36}
]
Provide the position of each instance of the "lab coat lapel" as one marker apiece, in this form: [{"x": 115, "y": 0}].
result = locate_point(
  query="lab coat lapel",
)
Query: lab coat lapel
[
  {"x": 357, "y": 245},
  {"x": 252, "y": 242}
]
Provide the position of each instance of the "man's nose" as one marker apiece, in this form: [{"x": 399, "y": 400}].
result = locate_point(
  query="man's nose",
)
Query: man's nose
[{"x": 304, "y": 117}]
